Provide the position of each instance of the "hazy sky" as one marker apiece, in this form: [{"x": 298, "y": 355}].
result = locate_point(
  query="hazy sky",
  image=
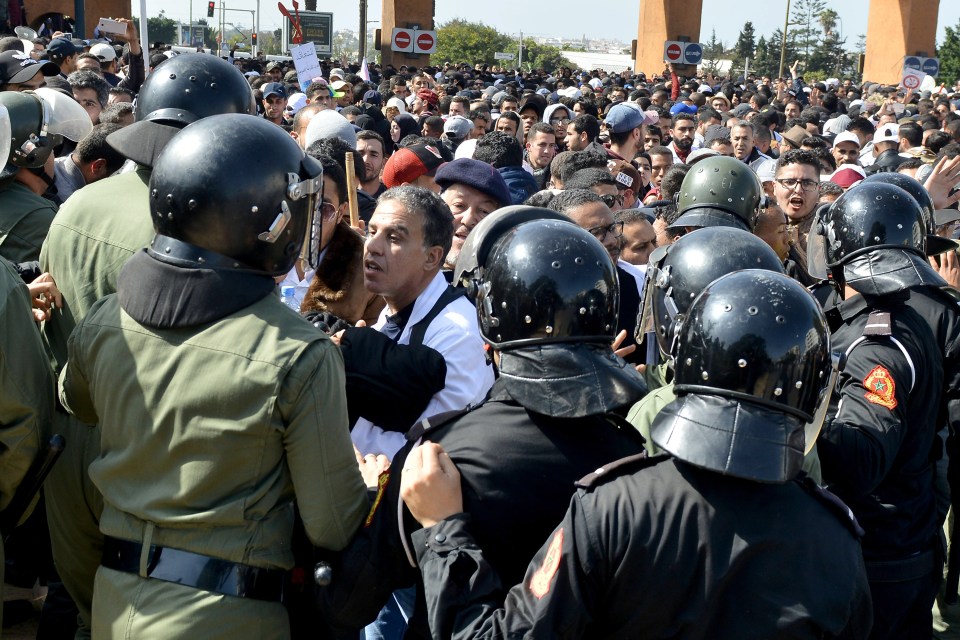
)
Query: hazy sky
[{"x": 617, "y": 19}]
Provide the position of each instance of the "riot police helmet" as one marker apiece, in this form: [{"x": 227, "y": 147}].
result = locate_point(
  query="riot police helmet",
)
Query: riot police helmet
[
  {"x": 678, "y": 272},
  {"x": 241, "y": 187},
  {"x": 935, "y": 244},
  {"x": 753, "y": 368},
  {"x": 547, "y": 297},
  {"x": 719, "y": 191},
  {"x": 185, "y": 89}
]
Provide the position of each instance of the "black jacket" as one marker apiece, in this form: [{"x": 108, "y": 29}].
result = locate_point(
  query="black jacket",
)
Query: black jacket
[
  {"x": 657, "y": 548},
  {"x": 518, "y": 471},
  {"x": 876, "y": 452}
]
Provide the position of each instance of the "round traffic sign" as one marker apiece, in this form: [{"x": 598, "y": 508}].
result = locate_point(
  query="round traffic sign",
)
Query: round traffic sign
[
  {"x": 912, "y": 62},
  {"x": 911, "y": 82},
  {"x": 693, "y": 53},
  {"x": 425, "y": 41},
  {"x": 674, "y": 51},
  {"x": 402, "y": 39},
  {"x": 930, "y": 66}
]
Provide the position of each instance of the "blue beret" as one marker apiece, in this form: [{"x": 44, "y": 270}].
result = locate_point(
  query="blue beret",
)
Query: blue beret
[{"x": 473, "y": 173}]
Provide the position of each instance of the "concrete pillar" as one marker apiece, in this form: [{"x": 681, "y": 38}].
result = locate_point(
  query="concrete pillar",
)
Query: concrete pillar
[
  {"x": 662, "y": 20},
  {"x": 92, "y": 12},
  {"x": 402, "y": 14},
  {"x": 896, "y": 28}
]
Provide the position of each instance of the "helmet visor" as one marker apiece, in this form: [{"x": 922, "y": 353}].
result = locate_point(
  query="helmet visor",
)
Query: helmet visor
[
  {"x": 657, "y": 277},
  {"x": 817, "y": 246},
  {"x": 312, "y": 189},
  {"x": 5, "y": 135},
  {"x": 63, "y": 115},
  {"x": 811, "y": 430}
]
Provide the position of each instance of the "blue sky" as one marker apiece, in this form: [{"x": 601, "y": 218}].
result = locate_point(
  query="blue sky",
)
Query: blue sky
[{"x": 562, "y": 18}]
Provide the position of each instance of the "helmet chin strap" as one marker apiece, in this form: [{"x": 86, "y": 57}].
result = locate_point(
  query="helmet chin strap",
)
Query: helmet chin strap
[{"x": 40, "y": 173}]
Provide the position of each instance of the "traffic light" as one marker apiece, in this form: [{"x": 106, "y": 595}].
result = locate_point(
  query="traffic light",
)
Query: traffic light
[
  {"x": 253, "y": 38},
  {"x": 210, "y": 9}
]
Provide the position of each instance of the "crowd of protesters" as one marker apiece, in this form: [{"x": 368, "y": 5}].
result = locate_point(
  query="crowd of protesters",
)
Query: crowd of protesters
[{"x": 452, "y": 143}]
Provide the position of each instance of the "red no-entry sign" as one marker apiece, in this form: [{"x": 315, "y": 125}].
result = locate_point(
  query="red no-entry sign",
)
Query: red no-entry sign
[
  {"x": 673, "y": 52},
  {"x": 426, "y": 42},
  {"x": 402, "y": 39}
]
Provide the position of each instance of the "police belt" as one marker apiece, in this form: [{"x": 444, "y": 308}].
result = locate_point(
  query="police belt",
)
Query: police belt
[
  {"x": 906, "y": 569},
  {"x": 194, "y": 570}
]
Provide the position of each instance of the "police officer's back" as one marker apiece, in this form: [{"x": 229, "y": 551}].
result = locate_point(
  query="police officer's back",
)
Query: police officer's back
[
  {"x": 723, "y": 539},
  {"x": 218, "y": 405}
]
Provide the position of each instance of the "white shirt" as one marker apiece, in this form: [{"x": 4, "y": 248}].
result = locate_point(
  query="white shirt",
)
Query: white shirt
[{"x": 455, "y": 334}]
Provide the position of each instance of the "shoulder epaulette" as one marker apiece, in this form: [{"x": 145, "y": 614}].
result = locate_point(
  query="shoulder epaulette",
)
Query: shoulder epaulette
[
  {"x": 618, "y": 468},
  {"x": 834, "y": 504},
  {"x": 878, "y": 324},
  {"x": 421, "y": 428}
]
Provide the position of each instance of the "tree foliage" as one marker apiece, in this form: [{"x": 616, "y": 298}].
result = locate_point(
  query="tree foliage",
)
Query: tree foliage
[
  {"x": 539, "y": 56},
  {"x": 806, "y": 26},
  {"x": 470, "y": 42},
  {"x": 712, "y": 53},
  {"x": 745, "y": 46},
  {"x": 949, "y": 54},
  {"x": 160, "y": 29}
]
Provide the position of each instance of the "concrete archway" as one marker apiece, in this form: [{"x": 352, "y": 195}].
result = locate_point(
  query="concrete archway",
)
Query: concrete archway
[{"x": 895, "y": 28}]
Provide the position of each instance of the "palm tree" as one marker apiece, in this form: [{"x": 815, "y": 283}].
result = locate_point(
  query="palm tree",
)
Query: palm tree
[{"x": 828, "y": 21}]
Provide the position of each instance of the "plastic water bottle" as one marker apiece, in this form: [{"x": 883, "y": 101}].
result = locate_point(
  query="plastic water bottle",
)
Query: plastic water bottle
[{"x": 286, "y": 297}]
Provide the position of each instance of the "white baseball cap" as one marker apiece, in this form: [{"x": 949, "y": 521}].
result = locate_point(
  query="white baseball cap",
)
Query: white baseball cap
[
  {"x": 889, "y": 132},
  {"x": 846, "y": 136},
  {"x": 103, "y": 52}
]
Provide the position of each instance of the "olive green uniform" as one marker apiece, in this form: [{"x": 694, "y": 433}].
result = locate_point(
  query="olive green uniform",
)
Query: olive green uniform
[
  {"x": 25, "y": 218},
  {"x": 91, "y": 238},
  {"x": 26, "y": 389},
  {"x": 208, "y": 434}
]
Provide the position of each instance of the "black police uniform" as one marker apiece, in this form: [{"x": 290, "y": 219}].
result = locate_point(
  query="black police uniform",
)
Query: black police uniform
[
  {"x": 657, "y": 548},
  {"x": 518, "y": 470},
  {"x": 876, "y": 453}
]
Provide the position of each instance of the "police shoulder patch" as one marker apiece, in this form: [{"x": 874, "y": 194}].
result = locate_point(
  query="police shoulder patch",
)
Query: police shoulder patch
[
  {"x": 543, "y": 576},
  {"x": 619, "y": 467},
  {"x": 881, "y": 389}
]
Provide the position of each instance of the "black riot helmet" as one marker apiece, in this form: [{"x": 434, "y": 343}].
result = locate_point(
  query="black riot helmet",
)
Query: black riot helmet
[
  {"x": 719, "y": 191},
  {"x": 239, "y": 186},
  {"x": 753, "y": 368},
  {"x": 870, "y": 217},
  {"x": 184, "y": 89},
  {"x": 193, "y": 86},
  {"x": 482, "y": 237},
  {"x": 678, "y": 272},
  {"x": 547, "y": 281},
  {"x": 935, "y": 244},
  {"x": 547, "y": 298}
]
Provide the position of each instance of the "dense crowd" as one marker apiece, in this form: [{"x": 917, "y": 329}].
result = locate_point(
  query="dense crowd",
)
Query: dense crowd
[{"x": 678, "y": 356}]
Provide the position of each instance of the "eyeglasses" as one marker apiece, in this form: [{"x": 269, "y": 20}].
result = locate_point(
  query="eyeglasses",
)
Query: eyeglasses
[
  {"x": 805, "y": 185},
  {"x": 601, "y": 232},
  {"x": 562, "y": 121},
  {"x": 613, "y": 201},
  {"x": 328, "y": 210}
]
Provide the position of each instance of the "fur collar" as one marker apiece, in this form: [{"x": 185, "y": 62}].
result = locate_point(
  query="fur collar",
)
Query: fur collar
[{"x": 337, "y": 271}]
